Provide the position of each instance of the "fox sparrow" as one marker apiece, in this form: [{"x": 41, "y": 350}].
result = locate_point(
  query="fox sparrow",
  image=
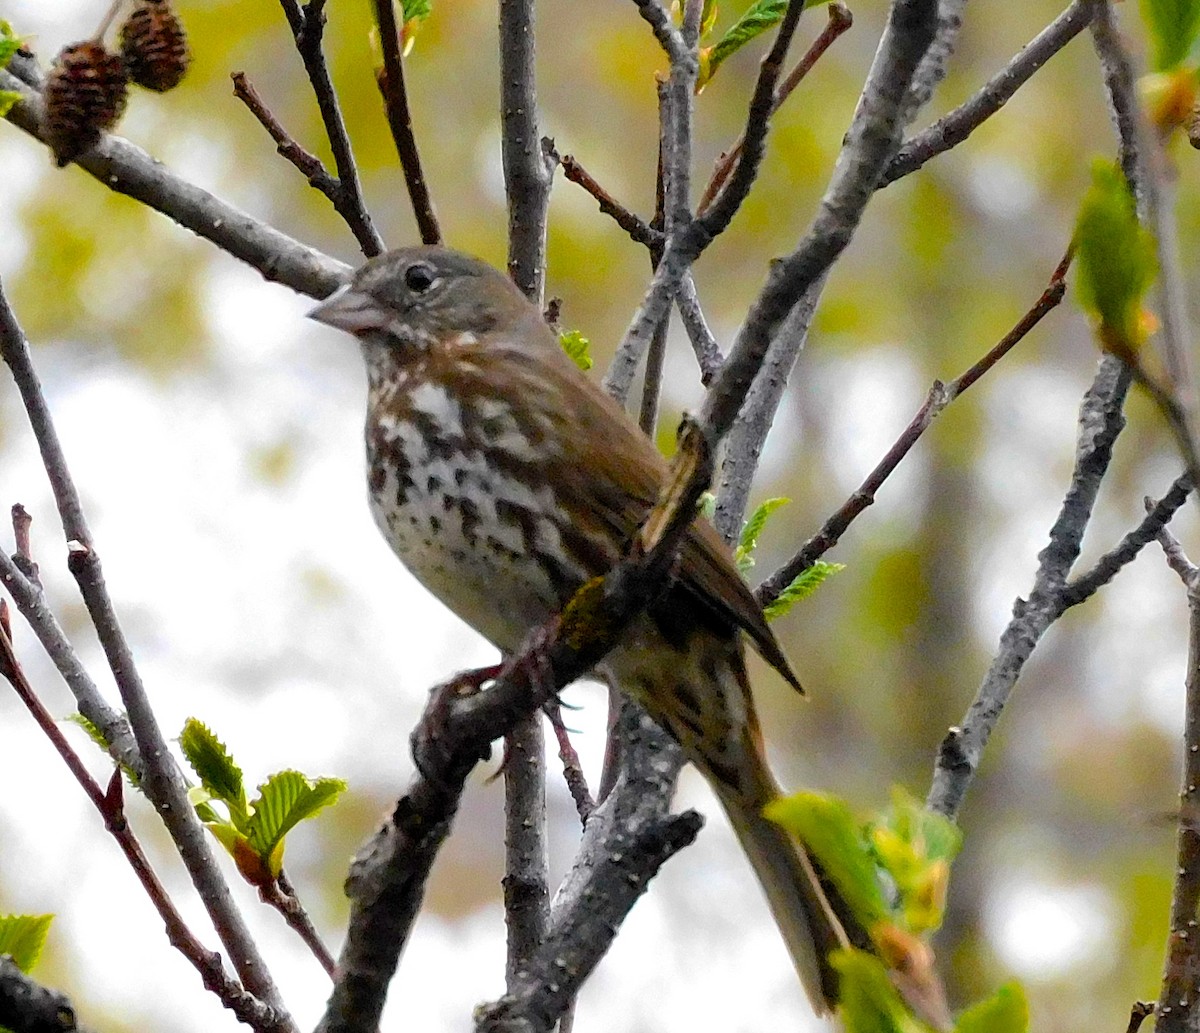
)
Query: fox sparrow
[{"x": 504, "y": 478}]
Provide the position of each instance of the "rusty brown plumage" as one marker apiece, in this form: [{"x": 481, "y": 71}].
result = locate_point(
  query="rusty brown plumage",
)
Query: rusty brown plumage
[{"x": 504, "y": 479}]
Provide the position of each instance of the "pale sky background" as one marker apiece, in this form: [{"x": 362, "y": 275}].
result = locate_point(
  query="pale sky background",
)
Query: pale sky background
[{"x": 220, "y": 576}]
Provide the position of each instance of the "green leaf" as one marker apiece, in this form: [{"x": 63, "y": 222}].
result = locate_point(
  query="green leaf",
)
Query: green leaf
[
  {"x": 24, "y": 936},
  {"x": 836, "y": 842},
  {"x": 915, "y": 847},
  {"x": 758, "y": 17},
  {"x": 214, "y": 766},
  {"x": 7, "y": 99},
  {"x": 1174, "y": 26},
  {"x": 10, "y": 43},
  {"x": 707, "y": 504},
  {"x": 1115, "y": 257},
  {"x": 578, "y": 347},
  {"x": 744, "y": 554},
  {"x": 93, "y": 730},
  {"x": 868, "y": 1001},
  {"x": 285, "y": 800},
  {"x": 1006, "y": 1011},
  {"x": 419, "y": 9},
  {"x": 802, "y": 586}
]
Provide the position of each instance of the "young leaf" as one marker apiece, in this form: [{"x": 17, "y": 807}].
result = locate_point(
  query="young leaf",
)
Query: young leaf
[
  {"x": 1115, "y": 257},
  {"x": 420, "y": 9},
  {"x": 10, "y": 43},
  {"x": 836, "y": 842},
  {"x": 707, "y": 504},
  {"x": 285, "y": 800},
  {"x": 215, "y": 768},
  {"x": 915, "y": 847},
  {"x": 7, "y": 99},
  {"x": 578, "y": 347},
  {"x": 1173, "y": 26},
  {"x": 93, "y": 730},
  {"x": 744, "y": 554},
  {"x": 1006, "y": 1011},
  {"x": 758, "y": 17},
  {"x": 23, "y": 937},
  {"x": 869, "y": 1002},
  {"x": 802, "y": 586}
]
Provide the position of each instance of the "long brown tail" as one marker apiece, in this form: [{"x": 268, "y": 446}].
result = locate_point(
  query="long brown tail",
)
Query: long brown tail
[{"x": 809, "y": 924}]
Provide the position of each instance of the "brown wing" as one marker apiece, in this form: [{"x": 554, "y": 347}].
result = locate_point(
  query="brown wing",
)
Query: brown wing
[{"x": 612, "y": 465}]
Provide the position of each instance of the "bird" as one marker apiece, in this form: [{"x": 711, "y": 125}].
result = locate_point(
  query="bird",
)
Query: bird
[{"x": 504, "y": 478}]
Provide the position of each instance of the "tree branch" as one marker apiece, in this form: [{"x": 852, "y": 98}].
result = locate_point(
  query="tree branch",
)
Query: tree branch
[
  {"x": 127, "y": 169},
  {"x": 1178, "y": 1008},
  {"x": 160, "y": 778},
  {"x": 308, "y": 29},
  {"x": 390, "y": 79},
  {"x": 952, "y": 129}
]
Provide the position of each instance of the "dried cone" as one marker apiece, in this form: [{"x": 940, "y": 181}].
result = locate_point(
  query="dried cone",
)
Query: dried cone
[
  {"x": 154, "y": 45},
  {"x": 84, "y": 95}
]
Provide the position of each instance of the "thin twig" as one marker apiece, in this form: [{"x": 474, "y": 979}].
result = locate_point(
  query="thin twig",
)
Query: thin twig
[
  {"x": 161, "y": 779},
  {"x": 952, "y": 129},
  {"x": 638, "y": 229},
  {"x": 526, "y": 849},
  {"x": 870, "y": 143},
  {"x": 1100, "y": 422},
  {"x": 127, "y": 169},
  {"x": 308, "y": 29},
  {"x": 1178, "y": 1007},
  {"x": 1111, "y": 563},
  {"x": 940, "y": 395},
  {"x": 749, "y": 432},
  {"x": 528, "y": 163},
  {"x": 572, "y": 767},
  {"x": 528, "y": 159},
  {"x": 704, "y": 344},
  {"x": 1146, "y": 166},
  {"x": 281, "y": 895},
  {"x": 840, "y": 20},
  {"x": 110, "y": 806},
  {"x": 390, "y": 79},
  {"x": 656, "y": 353},
  {"x": 308, "y": 163}
]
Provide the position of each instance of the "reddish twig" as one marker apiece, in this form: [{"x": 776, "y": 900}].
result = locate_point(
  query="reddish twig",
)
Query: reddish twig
[
  {"x": 638, "y": 229},
  {"x": 713, "y": 219},
  {"x": 308, "y": 29},
  {"x": 1177, "y": 1005},
  {"x": 940, "y": 396},
  {"x": 840, "y": 20},
  {"x": 110, "y": 804},
  {"x": 390, "y": 79},
  {"x": 572, "y": 768},
  {"x": 281, "y": 895},
  {"x": 308, "y": 163}
]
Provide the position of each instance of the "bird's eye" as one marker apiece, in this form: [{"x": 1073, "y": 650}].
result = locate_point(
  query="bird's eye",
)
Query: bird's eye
[{"x": 419, "y": 277}]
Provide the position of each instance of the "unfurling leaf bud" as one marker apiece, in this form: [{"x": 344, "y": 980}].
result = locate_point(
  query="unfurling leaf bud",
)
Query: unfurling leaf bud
[
  {"x": 154, "y": 45},
  {"x": 84, "y": 95}
]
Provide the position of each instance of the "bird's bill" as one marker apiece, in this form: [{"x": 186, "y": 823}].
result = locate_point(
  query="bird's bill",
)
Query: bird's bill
[{"x": 351, "y": 310}]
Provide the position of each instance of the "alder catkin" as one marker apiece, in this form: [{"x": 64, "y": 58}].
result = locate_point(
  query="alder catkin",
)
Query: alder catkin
[
  {"x": 85, "y": 94},
  {"x": 154, "y": 46}
]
